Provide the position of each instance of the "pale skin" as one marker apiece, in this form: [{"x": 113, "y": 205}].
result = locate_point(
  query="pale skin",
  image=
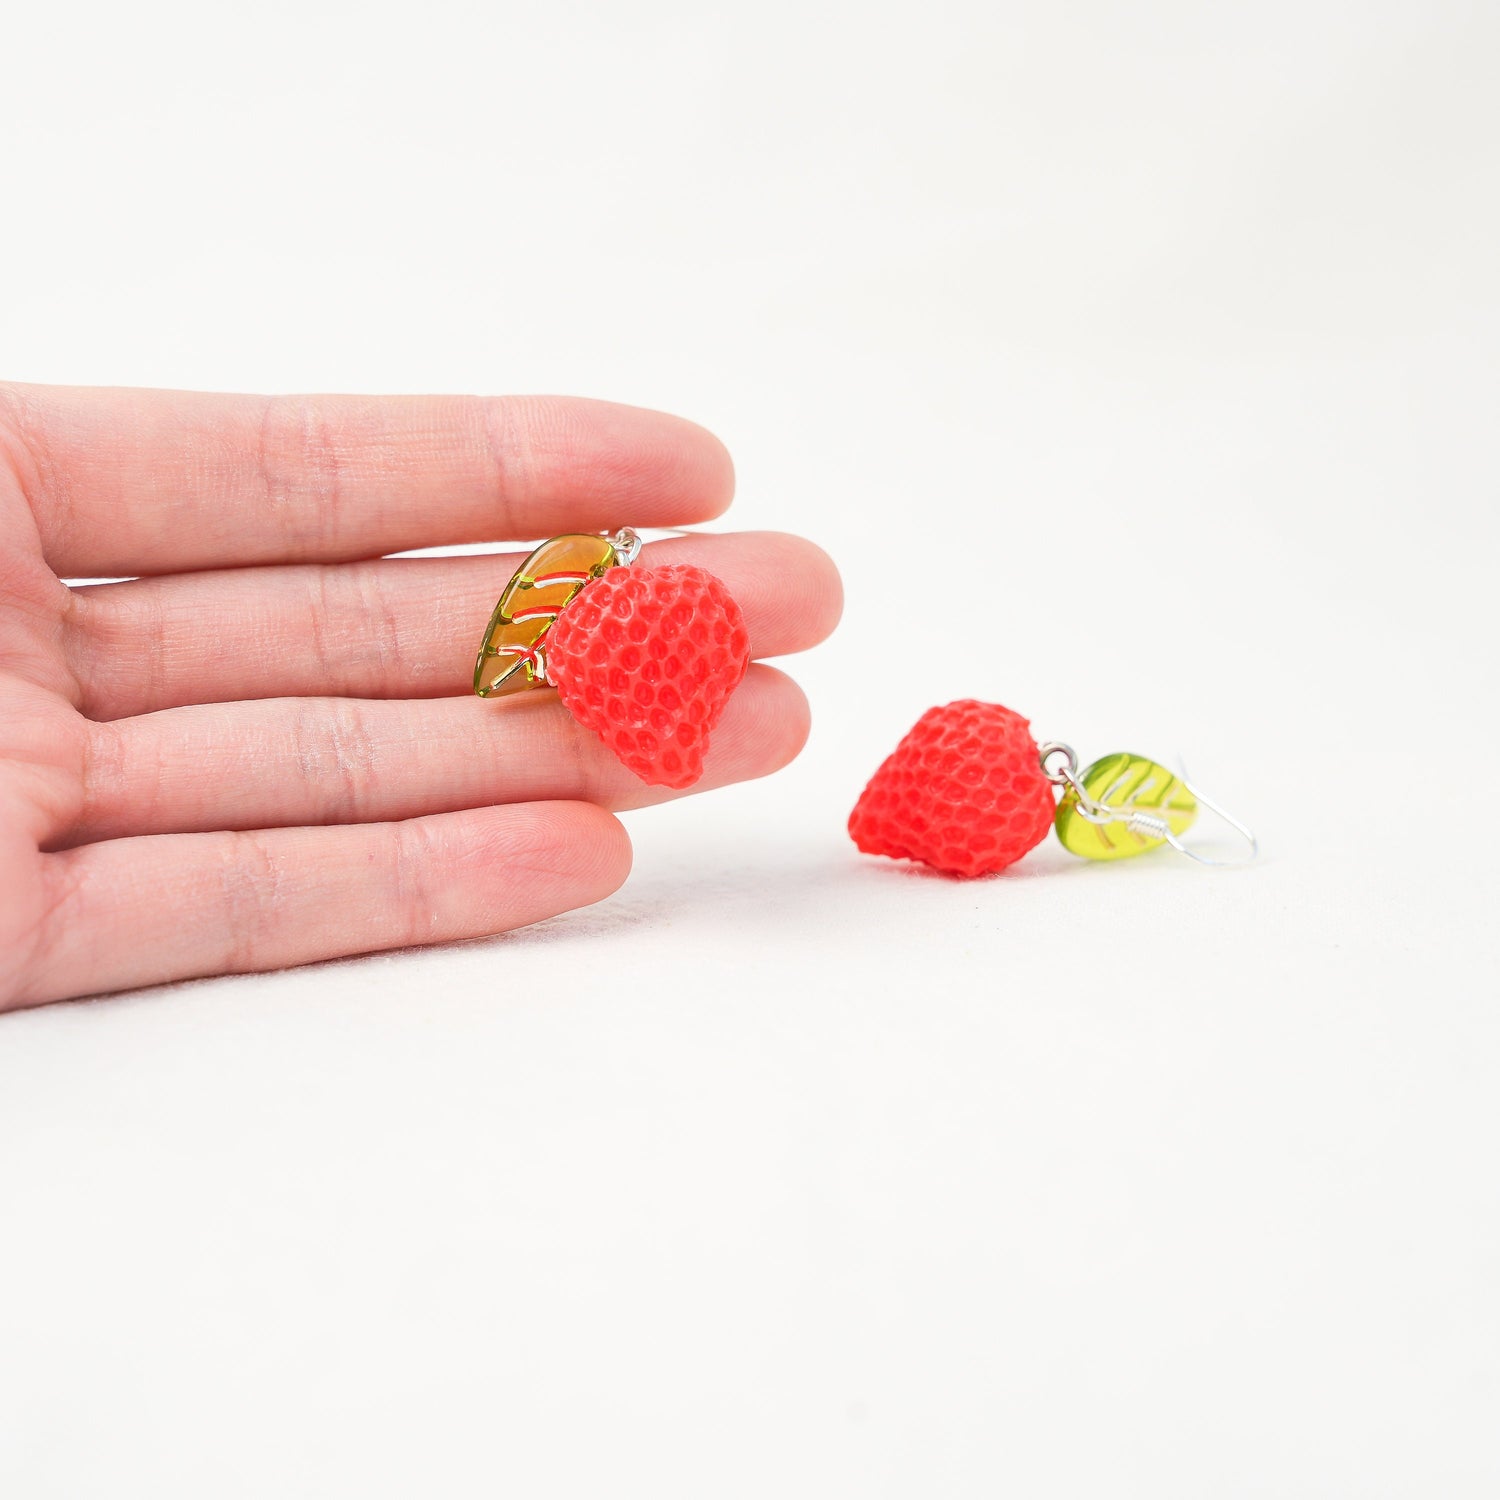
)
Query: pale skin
[{"x": 262, "y": 750}]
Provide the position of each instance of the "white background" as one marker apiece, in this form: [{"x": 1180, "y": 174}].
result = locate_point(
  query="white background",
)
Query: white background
[{"x": 1167, "y": 333}]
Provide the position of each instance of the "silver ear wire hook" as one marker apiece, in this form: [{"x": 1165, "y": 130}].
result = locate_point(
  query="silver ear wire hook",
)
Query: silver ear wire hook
[
  {"x": 1139, "y": 820},
  {"x": 1153, "y": 826},
  {"x": 628, "y": 542},
  {"x": 1204, "y": 800}
]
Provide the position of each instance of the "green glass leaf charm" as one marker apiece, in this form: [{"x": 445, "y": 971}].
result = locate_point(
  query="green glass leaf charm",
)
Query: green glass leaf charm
[{"x": 1129, "y": 797}]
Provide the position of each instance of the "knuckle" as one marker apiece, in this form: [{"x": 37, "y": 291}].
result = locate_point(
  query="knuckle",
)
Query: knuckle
[
  {"x": 25, "y": 455},
  {"x": 301, "y": 471},
  {"x": 321, "y": 614},
  {"x": 352, "y": 626},
  {"x": 103, "y": 777},
  {"x": 337, "y": 757},
  {"x": 250, "y": 879},
  {"x": 416, "y": 856},
  {"x": 372, "y": 615},
  {"x": 509, "y": 442}
]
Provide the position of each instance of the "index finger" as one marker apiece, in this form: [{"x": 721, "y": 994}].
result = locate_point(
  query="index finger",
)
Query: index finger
[{"x": 140, "y": 482}]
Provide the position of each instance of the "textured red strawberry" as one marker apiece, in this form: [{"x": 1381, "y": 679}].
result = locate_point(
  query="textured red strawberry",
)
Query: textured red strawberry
[
  {"x": 963, "y": 792},
  {"x": 647, "y": 659}
]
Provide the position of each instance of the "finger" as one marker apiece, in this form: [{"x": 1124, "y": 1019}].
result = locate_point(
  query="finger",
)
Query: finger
[
  {"x": 399, "y": 627},
  {"x": 146, "y": 910},
  {"x": 283, "y": 761},
  {"x": 137, "y": 482}
]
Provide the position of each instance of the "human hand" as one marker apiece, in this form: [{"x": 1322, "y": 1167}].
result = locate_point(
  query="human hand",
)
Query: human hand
[{"x": 263, "y": 749}]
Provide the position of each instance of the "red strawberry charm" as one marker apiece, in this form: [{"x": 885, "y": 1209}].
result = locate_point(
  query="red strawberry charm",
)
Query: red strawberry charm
[
  {"x": 964, "y": 792},
  {"x": 646, "y": 658}
]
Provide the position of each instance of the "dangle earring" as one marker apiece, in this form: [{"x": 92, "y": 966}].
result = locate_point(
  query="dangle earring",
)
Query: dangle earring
[
  {"x": 968, "y": 791},
  {"x": 646, "y": 658}
]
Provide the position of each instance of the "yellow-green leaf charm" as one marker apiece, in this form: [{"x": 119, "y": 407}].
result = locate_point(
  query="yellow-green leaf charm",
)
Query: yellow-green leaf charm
[
  {"x": 1124, "y": 786},
  {"x": 549, "y": 579}
]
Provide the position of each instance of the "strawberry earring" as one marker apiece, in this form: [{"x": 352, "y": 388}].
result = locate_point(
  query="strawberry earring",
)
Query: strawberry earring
[
  {"x": 968, "y": 791},
  {"x": 645, "y": 658}
]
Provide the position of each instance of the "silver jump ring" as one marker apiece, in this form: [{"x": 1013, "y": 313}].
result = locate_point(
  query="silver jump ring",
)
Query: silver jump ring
[{"x": 1067, "y": 776}]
